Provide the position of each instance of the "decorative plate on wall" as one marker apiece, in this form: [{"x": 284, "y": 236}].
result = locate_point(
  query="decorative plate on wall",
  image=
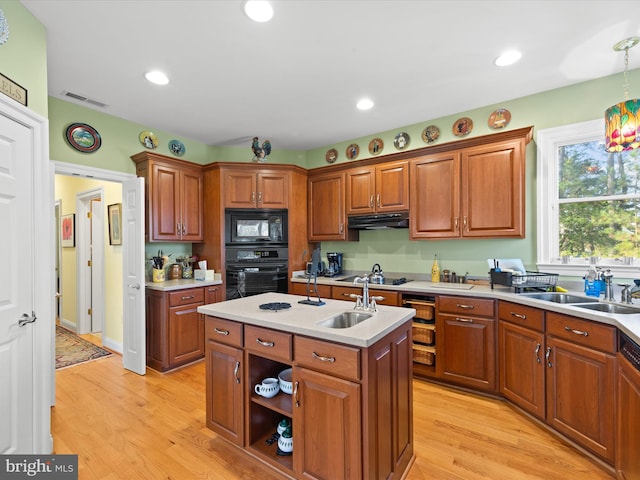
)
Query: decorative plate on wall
[
  {"x": 430, "y": 134},
  {"x": 462, "y": 127},
  {"x": 499, "y": 119},
  {"x": 331, "y": 156},
  {"x": 376, "y": 146},
  {"x": 177, "y": 148},
  {"x": 4, "y": 29},
  {"x": 83, "y": 137},
  {"x": 148, "y": 139},
  {"x": 401, "y": 141},
  {"x": 353, "y": 151}
]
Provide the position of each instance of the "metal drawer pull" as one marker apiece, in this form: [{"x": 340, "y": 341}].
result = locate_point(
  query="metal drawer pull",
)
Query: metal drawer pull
[
  {"x": 295, "y": 393},
  {"x": 466, "y": 307},
  {"x": 538, "y": 351},
  {"x": 265, "y": 344},
  {"x": 235, "y": 372},
  {"x": 188, "y": 297},
  {"x": 577, "y": 332},
  {"x": 466, "y": 320},
  {"x": 221, "y": 332},
  {"x": 518, "y": 315},
  {"x": 323, "y": 359},
  {"x": 548, "y": 356}
]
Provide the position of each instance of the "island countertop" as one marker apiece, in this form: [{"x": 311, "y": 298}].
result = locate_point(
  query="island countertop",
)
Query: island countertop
[{"x": 305, "y": 319}]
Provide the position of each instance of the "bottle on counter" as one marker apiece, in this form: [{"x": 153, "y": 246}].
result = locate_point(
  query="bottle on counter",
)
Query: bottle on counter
[
  {"x": 435, "y": 270},
  {"x": 592, "y": 287}
]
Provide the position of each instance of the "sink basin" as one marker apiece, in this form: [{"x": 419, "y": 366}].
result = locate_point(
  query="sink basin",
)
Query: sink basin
[
  {"x": 560, "y": 297},
  {"x": 345, "y": 320},
  {"x": 610, "y": 308}
]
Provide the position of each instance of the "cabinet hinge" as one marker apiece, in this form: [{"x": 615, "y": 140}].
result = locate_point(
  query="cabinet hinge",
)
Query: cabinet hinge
[{"x": 88, "y": 263}]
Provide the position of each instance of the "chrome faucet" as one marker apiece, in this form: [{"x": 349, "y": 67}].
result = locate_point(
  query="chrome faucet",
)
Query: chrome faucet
[
  {"x": 365, "y": 292},
  {"x": 608, "y": 285},
  {"x": 625, "y": 295}
]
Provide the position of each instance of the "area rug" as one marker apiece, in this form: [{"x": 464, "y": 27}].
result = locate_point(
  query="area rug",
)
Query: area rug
[{"x": 72, "y": 349}]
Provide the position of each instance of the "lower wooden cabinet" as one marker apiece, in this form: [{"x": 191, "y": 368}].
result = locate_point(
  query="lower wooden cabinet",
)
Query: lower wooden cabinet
[
  {"x": 389, "y": 296},
  {"x": 466, "y": 352},
  {"x": 521, "y": 344},
  {"x": 174, "y": 328},
  {"x": 628, "y": 434},
  {"x": 581, "y": 364},
  {"x": 351, "y": 408}
]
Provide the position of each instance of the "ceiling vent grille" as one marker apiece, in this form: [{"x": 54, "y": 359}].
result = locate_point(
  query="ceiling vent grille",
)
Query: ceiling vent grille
[{"x": 82, "y": 98}]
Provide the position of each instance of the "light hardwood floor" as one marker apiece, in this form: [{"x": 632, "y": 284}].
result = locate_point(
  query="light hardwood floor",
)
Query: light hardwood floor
[{"x": 126, "y": 426}]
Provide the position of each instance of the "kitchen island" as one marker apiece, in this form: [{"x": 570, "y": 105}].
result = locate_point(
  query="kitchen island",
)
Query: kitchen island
[{"x": 351, "y": 400}]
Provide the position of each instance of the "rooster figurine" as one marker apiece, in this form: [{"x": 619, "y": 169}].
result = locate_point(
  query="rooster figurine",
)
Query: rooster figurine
[{"x": 261, "y": 153}]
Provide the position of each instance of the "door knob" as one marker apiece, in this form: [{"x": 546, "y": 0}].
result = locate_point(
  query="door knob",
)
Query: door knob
[
  {"x": 26, "y": 318},
  {"x": 136, "y": 286}
]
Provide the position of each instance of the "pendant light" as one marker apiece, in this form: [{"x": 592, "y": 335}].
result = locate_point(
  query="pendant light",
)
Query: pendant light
[{"x": 622, "y": 120}]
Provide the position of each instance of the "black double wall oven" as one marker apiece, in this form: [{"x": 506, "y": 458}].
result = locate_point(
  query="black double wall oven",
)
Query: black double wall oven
[{"x": 256, "y": 251}]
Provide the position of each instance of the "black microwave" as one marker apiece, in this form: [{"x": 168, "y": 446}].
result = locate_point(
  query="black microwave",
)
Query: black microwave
[{"x": 255, "y": 226}]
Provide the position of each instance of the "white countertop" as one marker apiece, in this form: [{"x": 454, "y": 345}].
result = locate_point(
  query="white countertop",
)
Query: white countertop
[
  {"x": 629, "y": 324},
  {"x": 304, "y": 319},
  {"x": 180, "y": 284}
]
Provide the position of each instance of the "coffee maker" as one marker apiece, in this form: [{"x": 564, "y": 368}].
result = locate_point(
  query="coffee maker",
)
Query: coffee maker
[{"x": 334, "y": 264}]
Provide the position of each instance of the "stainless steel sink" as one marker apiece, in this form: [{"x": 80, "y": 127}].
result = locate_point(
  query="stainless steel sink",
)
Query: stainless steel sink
[
  {"x": 610, "y": 308},
  {"x": 345, "y": 320},
  {"x": 559, "y": 297}
]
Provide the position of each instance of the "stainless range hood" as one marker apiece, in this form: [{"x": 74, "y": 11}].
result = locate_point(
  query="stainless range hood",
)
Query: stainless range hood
[{"x": 378, "y": 222}]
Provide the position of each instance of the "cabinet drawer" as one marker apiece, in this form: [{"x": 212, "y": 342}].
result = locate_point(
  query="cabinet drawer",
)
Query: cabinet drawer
[
  {"x": 528, "y": 317},
  {"x": 223, "y": 331},
  {"x": 269, "y": 343},
  {"x": 342, "y": 293},
  {"x": 328, "y": 357},
  {"x": 583, "y": 332},
  {"x": 186, "y": 296},
  {"x": 301, "y": 289},
  {"x": 477, "y": 307}
]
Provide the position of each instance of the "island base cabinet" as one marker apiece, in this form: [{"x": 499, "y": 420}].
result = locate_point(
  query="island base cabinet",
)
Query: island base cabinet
[
  {"x": 580, "y": 399},
  {"x": 326, "y": 427},
  {"x": 628, "y": 437},
  {"x": 225, "y": 391}
]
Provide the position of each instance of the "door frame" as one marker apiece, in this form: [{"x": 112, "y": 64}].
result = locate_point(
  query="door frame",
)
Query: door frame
[
  {"x": 89, "y": 247},
  {"x": 71, "y": 169}
]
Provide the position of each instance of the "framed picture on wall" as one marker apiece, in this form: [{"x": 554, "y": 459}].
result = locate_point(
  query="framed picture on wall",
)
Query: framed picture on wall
[
  {"x": 68, "y": 230},
  {"x": 115, "y": 224}
]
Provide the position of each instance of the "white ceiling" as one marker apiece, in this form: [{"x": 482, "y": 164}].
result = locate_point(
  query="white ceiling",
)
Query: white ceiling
[{"x": 296, "y": 79}]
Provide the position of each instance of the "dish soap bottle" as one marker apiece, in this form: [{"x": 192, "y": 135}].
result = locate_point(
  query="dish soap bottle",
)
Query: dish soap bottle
[{"x": 435, "y": 270}]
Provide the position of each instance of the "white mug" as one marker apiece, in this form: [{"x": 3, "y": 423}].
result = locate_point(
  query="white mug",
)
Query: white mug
[{"x": 268, "y": 388}]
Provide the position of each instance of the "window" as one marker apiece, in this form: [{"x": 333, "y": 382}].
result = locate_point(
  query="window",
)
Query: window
[{"x": 588, "y": 202}]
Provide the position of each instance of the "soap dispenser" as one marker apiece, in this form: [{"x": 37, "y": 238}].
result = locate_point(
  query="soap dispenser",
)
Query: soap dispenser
[
  {"x": 592, "y": 282},
  {"x": 635, "y": 290}
]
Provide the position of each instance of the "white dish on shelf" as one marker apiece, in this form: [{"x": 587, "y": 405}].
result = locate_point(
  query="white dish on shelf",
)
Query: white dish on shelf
[{"x": 284, "y": 377}]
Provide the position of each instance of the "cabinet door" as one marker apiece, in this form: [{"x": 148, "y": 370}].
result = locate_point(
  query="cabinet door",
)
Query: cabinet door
[
  {"x": 326, "y": 427},
  {"x": 580, "y": 395},
  {"x": 392, "y": 187},
  {"x": 273, "y": 190},
  {"x": 156, "y": 329},
  {"x": 435, "y": 196},
  {"x": 327, "y": 217},
  {"x": 191, "y": 217},
  {"x": 186, "y": 334},
  {"x": 361, "y": 184},
  {"x": 240, "y": 188},
  {"x": 225, "y": 397},
  {"x": 628, "y": 436},
  {"x": 466, "y": 351},
  {"x": 493, "y": 190},
  {"x": 522, "y": 367},
  {"x": 164, "y": 208}
]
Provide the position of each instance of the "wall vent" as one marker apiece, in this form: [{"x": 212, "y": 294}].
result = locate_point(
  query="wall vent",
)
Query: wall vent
[{"x": 82, "y": 98}]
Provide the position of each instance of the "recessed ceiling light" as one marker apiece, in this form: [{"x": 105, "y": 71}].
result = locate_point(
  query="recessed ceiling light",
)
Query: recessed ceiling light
[
  {"x": 258, "y": 10},
  {"x": 364, "y": 104},
  {"x": 157, "y": 77},
  {"x": 508, "y": 58}
]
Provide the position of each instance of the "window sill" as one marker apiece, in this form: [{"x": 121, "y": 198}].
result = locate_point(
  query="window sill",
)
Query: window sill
[{"x": 580, "y": 269}]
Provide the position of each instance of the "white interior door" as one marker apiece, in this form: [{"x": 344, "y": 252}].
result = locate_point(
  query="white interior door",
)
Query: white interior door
[
  {"x": 134, "y": 349},
  {"x": 23, "y": 376}
]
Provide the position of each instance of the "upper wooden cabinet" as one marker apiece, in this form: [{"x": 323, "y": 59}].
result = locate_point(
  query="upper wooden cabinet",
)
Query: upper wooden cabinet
[
  {"x": 174, "y": 195},
  {"x": 378, "y": 189},
  {"x": 326, "y": 204},
  {"x": 471, "y": 192},
  {"x": 246, "y": 188}
]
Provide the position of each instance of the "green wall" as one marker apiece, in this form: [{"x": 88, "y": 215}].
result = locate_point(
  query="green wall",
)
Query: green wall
[{"x": 23, "y": 58}]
